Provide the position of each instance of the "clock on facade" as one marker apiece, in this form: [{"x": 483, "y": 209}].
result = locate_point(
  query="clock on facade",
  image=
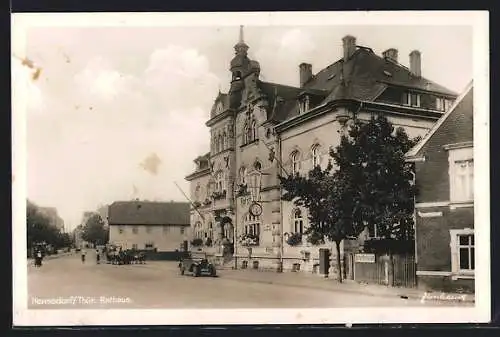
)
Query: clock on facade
[{"x": 255, "y": 209}]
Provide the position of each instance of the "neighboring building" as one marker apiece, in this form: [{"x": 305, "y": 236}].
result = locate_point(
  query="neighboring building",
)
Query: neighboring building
[
  {"x": 260, "y": 130},
  {"x": 55, "y": 219},
  {"x": 444, "y": 176},
  {"x": 147, "y": 225}
]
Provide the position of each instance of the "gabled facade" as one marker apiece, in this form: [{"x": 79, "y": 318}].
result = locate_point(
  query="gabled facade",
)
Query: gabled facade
[
  {"x": 147, "y": 225},
  {"x": 444, "y": 176},
  {"x": 260, "y": 130}
]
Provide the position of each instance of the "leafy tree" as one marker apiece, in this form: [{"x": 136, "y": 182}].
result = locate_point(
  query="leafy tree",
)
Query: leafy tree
[
  {"x": 40, "y": 229},
  {"x": 94, "y": 231},
  {"x": 372, "y": 159},
  {"x": 370, "y": 185}
]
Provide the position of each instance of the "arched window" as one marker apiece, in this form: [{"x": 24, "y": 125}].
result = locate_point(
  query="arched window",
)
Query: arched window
[
  {"x": 316, "y": 156},
  {"x": 218, "y": 181},
  {"x": 257, "y": 165},
  {"x": 216, "y": 143},
  {"x": 252, "y": 225},
  {"x": 295, "y": 157},
  {"x": 250, "y": 133},
  {"x": 221, "y": 145},
  {"x": 198, "y": 230},
  {"x": 298, "y": 222},
  {"x": 210, "y": 231},
  {"x": 243, "y": 175},
  {"x": 244, "y": 136},
  {"x": 197, "y": 192},
  {"x": 224, "y": 141},
  {"x": 254, "y": 130}
]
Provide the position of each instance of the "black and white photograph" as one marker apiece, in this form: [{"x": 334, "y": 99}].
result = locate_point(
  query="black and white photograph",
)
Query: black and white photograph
[{"x": 250, "y": 168}]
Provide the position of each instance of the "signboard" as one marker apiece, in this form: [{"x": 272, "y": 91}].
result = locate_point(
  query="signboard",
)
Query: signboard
[{"x": 364, "y": 258}]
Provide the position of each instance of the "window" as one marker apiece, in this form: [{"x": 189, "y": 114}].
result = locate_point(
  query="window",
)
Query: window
[
  {"x": 462, "y": 252},
  {"x": 121, "y": 230},
  {"x": 466, "y": 252},
  {"x": 295, "y": 162},
  {"x": 252, "y": 225},
  {"x": 440, "y": 104},
  {"x": 243, "y": 175},
  {"x": 210, "y": 230},
  {"x": 219, "y": 181},
  {"x": 149, "y": 245},
  {"x": 298, "y": 222},
  {"x": 250, "y": 133},
  {"x": 373, "y": 231},
  {"x": 461, "y": 172},
  {"x": 304, "y": 105},
  {"x": 134, "y": 246},
  {"x": 254, "y": 130},
  {"x": 257, "y": 165},
  {"x": 316, "y": 156},
  {"x": 411, "y": 99},
  {"x": 135, "y": 230},
  {"x": 244, "y": 136},
  {"x": 447, "y": 104},
  {"x": 197, "y": 193},
  {"x": 221, "y": 145},
  {"x": 198, "y": 230},
  {"x": 224, "y": 141},
  {"x": 182, "y": 230}
]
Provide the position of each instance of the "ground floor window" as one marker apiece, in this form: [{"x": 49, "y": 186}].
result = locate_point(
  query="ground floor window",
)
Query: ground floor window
[
  {"x": 252, "y": 225},
  {"x": 462, "y": 245},
  {"x": 298, "y": 222},
  {"x": 149, "y": 245},
  {"x": 466, "y": 252}
]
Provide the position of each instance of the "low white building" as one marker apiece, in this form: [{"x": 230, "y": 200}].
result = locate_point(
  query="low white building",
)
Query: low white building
[{"x": 147, "y": 225}]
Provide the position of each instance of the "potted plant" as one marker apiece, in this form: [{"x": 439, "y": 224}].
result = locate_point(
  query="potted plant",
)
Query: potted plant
[
  {"x": 248, "y": 240},
  {"x": 242, "y": 190},
  {"x": 196, "y": 242},
  {"x": 294, "y": 239}
]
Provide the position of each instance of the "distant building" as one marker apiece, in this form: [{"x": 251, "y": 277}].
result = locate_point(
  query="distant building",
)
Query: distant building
[
  {"x": 261, "y": 130},
  {"x": 147, "y": 225},
  {"x": 52, "y": 214},
  {"x": 444, "y": 166}
]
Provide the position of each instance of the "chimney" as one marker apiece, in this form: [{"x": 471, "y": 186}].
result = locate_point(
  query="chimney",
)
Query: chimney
[
  {"x": 349, "y": 43},
  {"x": 305, "y": 73},
  {"x": 415, "y": 63},
  {"x": 391, "y": 54}
]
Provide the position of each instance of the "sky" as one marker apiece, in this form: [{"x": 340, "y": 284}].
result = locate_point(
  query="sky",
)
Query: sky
[{"x": 119, "y": 113}]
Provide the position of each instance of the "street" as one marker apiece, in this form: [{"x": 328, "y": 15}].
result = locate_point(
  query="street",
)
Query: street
[{"x": 66, "y": 282}]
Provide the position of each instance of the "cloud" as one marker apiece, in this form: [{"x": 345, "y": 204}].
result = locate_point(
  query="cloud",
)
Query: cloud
[
  {"x": 99, "y": 124},
  {"x": 280, "y": 55}
]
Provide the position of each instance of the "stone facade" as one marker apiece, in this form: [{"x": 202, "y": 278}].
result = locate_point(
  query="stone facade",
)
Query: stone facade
[{"x": 261, "y": 130}]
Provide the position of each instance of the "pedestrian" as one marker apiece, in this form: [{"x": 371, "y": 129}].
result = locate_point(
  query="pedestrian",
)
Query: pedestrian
[
  {"x": 83, "y": 255},
  {"x": 98, "y": 256},
  {"x": 38, "y": 259}
]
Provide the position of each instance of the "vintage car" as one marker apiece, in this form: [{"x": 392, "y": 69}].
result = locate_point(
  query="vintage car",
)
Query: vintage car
[{"x": 197, "y": 265}]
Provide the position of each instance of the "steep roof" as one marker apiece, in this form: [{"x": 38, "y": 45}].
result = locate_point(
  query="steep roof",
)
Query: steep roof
[
  {"x": 463, "y": 106},
  {"x": 363, "y": 77},
  {"x": 148, "y": 213}
]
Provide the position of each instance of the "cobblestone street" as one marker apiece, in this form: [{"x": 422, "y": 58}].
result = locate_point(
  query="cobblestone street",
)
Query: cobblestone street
[{"x": 159, "y": 285}]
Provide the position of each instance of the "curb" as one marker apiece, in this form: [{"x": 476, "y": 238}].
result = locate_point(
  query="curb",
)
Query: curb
[{"x": 353, "y": 291}]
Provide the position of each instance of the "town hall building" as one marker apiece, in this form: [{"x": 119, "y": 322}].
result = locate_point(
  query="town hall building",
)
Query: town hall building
[{"x": 261, "y": 130}]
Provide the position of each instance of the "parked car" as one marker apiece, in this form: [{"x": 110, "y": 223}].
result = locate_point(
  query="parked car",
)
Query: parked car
[{"x": 197, "y": 265}]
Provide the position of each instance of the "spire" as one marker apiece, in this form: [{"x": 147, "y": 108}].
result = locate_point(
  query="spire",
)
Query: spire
[
  {"x": 242, "y": 40},
  {"x": 241, "y": 47}
]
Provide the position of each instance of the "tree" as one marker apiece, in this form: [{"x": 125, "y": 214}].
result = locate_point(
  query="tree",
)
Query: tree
[
  {"x": 94, "y": 231},
  {"x": 372, "y": 159},
  {"x": 330, "y": 208},
  {"x": 41, "y": 231}
]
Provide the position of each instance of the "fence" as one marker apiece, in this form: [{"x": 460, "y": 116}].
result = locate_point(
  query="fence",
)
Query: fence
[{"x": 376, "y": 269}]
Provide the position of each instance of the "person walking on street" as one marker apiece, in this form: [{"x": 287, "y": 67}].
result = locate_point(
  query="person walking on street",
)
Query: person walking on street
[
  {"x": 98, "y": 256},
  {"x": 83, "y": 255}
]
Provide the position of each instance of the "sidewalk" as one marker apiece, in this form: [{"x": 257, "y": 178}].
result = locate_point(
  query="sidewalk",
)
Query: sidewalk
[{"x": 311, "y": 281}]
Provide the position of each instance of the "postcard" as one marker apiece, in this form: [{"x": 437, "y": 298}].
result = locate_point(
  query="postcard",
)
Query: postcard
[{"x": 250, "y": 168}]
